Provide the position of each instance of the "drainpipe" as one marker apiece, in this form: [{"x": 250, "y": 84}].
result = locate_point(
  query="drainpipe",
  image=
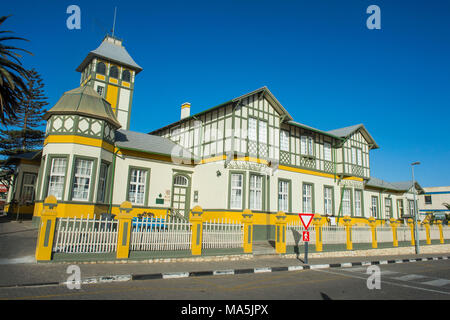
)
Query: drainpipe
[{"x": 112, "y": 179}]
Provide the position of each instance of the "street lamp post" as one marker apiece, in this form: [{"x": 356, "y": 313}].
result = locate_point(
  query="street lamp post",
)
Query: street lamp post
[{"x": 416, "y": 232}]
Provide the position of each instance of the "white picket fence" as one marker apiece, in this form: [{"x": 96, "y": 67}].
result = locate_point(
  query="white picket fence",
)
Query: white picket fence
[
  {"x": 156, "y": 234},
  {"x": 85, "y": 235},
  {"x": 435, "y": 233},
  {"x": 294, "y": 233},
  {"x": 222, "y": 233},
  {"x": 404, "y": 234},
  {"x": 361, "y": 234},
  {"x": 384, "y": 234},
  {"x": 334, "y": 235},
  {"x": 446, "y": 232}
]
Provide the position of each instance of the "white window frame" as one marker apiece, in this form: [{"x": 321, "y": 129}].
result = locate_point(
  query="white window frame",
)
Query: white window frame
[
  {"x": 374, "y": 206},
  {"x": 138, "y": 195},
  {"x": 256, "y": 192},
  {"x": 57, "y": 178},
  {"x": 307, "y": 145},
  {"x": 236, "y": 198},
  {"x": 284, "y": 140},
  {"x": 358, "y": 203},
  {"x": 82, "y": 177},
  {"x": 252, "y": 129},
  {"x": 307, "y": 198},
  {"x": 386, "y": 214},
  {"x": 283, "y": 195},
  {"x": 346, "y": 202},
  {"x": 327, "y": 151},
  {"x": 328, "y": 200}
]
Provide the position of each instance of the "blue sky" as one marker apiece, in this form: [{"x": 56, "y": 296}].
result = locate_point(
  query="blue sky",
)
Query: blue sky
[{"x": 317, "y": 57}]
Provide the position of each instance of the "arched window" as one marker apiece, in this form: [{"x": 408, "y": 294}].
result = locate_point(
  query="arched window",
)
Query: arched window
[
  {"x": 101, "y": 68},
  {"x": 181, "y": 181},
  {"x": 126, "y": 75},
  {"x": 114, "y": 72}
]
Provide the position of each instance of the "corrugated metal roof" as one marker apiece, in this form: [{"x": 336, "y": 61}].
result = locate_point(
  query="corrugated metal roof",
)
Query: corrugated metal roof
[
  {"x": 84, "y": 101},
  {"x": 396, "y": 186},
  {"x": 111, "y": 51},
  {"x": 151, "y": 144}
]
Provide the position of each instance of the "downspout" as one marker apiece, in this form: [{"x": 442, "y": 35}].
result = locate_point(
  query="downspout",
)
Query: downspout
[{"x": 112, "y": 179}]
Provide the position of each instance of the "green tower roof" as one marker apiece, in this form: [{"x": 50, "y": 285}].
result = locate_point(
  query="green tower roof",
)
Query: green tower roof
[{"x": 86, "y": 102}]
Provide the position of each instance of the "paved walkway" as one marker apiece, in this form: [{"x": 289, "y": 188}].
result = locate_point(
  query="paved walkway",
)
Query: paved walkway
[{"x": 18, "y": 267}]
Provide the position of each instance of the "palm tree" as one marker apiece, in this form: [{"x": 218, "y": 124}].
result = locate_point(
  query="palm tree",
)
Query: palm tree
[{"x": 13, "y": 77}]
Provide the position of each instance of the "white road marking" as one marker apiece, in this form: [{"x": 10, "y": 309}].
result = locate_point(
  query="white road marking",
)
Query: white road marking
[
  {"x": 437, "y": 282},
  {"x": 410, "y": 277}
]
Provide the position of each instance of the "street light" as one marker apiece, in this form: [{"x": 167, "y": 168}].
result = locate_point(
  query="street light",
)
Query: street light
[{"x": 416, "y": 232}]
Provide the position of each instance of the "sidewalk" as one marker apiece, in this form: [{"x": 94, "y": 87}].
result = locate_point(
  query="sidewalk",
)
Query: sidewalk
[{"x": 17, "y": 272}]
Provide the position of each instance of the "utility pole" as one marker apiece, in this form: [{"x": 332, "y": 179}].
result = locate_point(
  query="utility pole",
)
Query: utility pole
[{"x": 416, "y": 232}]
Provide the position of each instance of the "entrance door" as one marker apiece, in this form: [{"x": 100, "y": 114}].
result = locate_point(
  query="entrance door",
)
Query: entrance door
[{"x": 181, "y": 195}]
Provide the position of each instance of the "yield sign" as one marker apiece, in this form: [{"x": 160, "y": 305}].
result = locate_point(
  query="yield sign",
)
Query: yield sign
[{"x": 306, "y": 219}]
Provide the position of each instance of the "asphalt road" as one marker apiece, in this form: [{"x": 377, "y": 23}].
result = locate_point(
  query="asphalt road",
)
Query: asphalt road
[{"x": 407, "y": 281}]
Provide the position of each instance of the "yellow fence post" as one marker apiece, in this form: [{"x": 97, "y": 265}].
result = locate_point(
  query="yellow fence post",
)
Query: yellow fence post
[
  {"x": 411, "y": 226},
  {"x": 394, "y": 224},
  {"x": 317, "y": 222},
  {"x": 441, "y": 232},
  {"x": 280, "y": 232},
  {"x": 427, "y": 231},
  {"x": 373, "y": 226},
  {"x": 348, "y": 228},
  {"x": 247, "y": 220},
  {"x": 123, "y": 239},
  {"x": 197, "y": 230},
  {"x": 46, "y": 230}
]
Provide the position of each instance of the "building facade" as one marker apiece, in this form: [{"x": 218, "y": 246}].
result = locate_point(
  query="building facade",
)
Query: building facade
[{"x": 246, "y": 153}]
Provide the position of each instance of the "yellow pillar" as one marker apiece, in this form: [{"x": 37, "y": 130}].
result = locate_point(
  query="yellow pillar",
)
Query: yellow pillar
[
  {"x": 247, "y": 220},
  {"x": 441, "y": 232},
  {"x": 426, "y": 223},
  {"x": 123, "y": 239},
  {"x": 197, "y": 230},
  {"x": 348, "y": 228},
  {"x": 394, "y": 224},
  {"x": 411, "y": 226},
  {"x": 280, "y": 232},
  {"x": 373, "y": 226},
  {"x": 317, "y": 222},
  {"x": 46, "y": 230}
]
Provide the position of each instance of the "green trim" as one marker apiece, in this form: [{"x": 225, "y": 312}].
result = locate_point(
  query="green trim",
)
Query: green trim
[
  {"x": 107, "y": 181},
  {"x": 263, "y": 190},
  {"x": 231, "y": 172},
  {"x": 50, "y": 158},
  {"x": 332, "y": 199},
  {"x": 289, "y": 193},
  {"x": 312, "y": 196},
  {"x": 147, "y": 184},
  {"x": 362, "y": 201},
  {"x": 92, "y": 182},
  {"x": 187, "y": 196}
]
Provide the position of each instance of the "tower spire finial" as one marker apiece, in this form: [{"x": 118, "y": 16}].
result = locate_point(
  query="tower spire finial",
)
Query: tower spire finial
[{"x": 114, "y": 23}]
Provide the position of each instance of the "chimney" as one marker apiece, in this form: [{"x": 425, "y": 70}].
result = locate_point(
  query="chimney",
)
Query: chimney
[{"x": 185, "y": 110}]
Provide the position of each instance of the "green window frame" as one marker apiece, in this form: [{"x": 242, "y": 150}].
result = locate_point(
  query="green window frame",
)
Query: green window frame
[
  {"x": 400, "y": 208},
  {"x": 374, "y": 206},
  {"x": 308, "y": 193},
  {"x": 28, "y": 187},
  {"x": 103, "y": 182},
  {"x": 348, "y": 191},
  {"x": 81, "y": 176},
  {"x": 388, "y": 208},
  {"x": 328, "y": 202},
  {"x": 284, "y": 195},
  {"x": 285, "y": 140},
  {"x": 230, "y": 190},
  {"x": 253, "y": 192},
  {"x": 138, "y": 184},
  {"x": 49, "y": 174},
  {"x": 361, "y": 201}
]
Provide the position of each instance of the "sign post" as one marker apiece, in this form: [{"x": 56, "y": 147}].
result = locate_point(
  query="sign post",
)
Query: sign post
[{"x": 306, "y": 219}]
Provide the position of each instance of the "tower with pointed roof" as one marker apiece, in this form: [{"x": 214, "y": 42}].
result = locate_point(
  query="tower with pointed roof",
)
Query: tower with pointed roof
[{"x": 111, "y": 71}]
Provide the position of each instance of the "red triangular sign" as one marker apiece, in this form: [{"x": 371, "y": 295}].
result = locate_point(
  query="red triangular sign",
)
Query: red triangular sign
[{"x": 306, "y": 219}]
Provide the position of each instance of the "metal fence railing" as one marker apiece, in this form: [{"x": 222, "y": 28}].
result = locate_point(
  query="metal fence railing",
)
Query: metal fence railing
[
  {"x": 294, "y": 233},
  {"x": 361, "y": 234},
  {"x": 334, "y": 235}
]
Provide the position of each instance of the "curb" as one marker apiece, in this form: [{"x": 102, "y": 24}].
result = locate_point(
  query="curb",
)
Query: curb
[{"x": 177, "y": 275}]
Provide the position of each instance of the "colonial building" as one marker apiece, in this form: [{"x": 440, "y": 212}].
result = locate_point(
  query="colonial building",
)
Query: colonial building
[{"x": 246, "y": 153}]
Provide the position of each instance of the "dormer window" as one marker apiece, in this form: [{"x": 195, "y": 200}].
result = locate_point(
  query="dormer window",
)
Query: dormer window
[
  {"x": 126, "y": 75},
  {"x": 114, "y": 72},
  {"x": 101, "y": 68}
]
